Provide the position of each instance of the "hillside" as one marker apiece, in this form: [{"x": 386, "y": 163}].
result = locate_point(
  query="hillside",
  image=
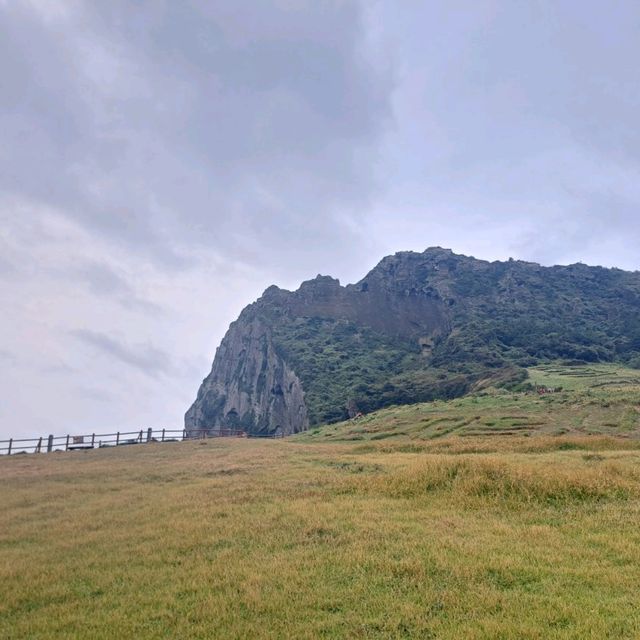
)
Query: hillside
[
  {"x": 418, "y": 327},
  {"x": 418, "y": 522},
  {"x": 596, "y": 400}
]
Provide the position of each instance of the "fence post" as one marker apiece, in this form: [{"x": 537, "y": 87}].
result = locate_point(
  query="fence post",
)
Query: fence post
[
  {"x": 149, "y": 434},
  {"x": 50, "y": 444},
  {"x": 39, "y": 446},
  {"x": 140, "y": 436},
  {"x": 117, "y": 438},
  {"x": 10, "y": 443},
  {"x": 93, "y": 440},
  {"x": 66, "y": 446},
  {"x": 184, "y": 434},
  {"x": 163, "y": 435}
]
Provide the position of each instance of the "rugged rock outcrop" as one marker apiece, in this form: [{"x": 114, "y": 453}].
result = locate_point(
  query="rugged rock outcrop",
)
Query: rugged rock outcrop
[
  {"x": 253, "y": 384},
  {"x": 419, "y": 326},
  {"x": 250, "y": 386}
]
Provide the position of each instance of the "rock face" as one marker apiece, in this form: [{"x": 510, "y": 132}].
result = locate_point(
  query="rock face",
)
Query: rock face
[
  {"x": 250, "y": 386},
  {"x": 419, "y": 326}
]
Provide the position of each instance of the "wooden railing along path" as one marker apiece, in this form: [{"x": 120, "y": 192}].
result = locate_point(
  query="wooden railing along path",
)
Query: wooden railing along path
[{"x": 48, "y": 444}]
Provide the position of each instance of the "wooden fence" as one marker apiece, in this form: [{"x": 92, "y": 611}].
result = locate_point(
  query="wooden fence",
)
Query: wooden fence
[{"x": 48, "y": 444}]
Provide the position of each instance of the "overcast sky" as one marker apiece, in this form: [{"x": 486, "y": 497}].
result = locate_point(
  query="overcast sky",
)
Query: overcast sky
[{"x": 162, "y": 163}]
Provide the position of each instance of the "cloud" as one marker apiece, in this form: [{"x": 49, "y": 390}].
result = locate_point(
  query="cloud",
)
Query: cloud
[
  {"x": 95, "y": 394},
  {"x": 517, "y": 131},
  {"x": 247, "y": 127},
  {"x": 144, "y": 357},
  {"x": 7, "y": 268},
  {"x": 7, "y": 356},
  {"x": 104, "y": 280}
]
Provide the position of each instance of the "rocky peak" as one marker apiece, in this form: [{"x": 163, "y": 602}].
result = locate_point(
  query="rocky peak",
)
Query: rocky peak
[
  {"x": 417, "y": 326},
  {"x": 320, "y": 282}
]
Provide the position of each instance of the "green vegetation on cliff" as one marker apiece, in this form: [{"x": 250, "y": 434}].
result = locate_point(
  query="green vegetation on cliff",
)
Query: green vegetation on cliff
[
  {"x": 502, "y": 316},
  {"x": 337, "y": 360},
  {"x": 525, "y": 313},
  {"x": 422, "y": 326}
]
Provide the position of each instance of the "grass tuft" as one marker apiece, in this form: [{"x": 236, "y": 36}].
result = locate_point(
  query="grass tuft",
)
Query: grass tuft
[{"x": 516, "y": 482}]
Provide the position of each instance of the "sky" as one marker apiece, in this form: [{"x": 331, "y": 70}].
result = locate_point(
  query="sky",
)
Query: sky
[{"x": 163, "y": 163}]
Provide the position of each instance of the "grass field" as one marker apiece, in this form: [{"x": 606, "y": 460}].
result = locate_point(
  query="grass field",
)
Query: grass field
[{"x": 442, "y": 532}]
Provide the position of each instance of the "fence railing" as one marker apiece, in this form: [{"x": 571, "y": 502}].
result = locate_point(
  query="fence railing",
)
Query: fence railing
[{"x": 50, "y": 443}]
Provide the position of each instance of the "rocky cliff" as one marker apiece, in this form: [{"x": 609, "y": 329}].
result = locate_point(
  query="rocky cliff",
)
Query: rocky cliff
[
  {"x": 250, "y": 387},
  {"x": 417, "y": 327}
]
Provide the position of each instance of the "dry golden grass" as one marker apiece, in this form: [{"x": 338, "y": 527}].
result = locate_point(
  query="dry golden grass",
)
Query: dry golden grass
[{"x": 490, "y": 537}]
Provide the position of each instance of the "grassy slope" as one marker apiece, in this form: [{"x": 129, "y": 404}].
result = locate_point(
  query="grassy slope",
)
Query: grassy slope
[
  {"x": 410, "y": 536},
  {"x": 596, "y": 400}
]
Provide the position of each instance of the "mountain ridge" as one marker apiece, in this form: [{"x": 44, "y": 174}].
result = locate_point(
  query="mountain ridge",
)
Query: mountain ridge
[{"x": 417, "y": 326}]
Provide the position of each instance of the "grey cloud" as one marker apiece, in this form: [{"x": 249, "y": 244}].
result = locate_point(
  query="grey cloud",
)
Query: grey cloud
[
  {"x": 7, "y": 356},
  {"x": 58, "y": 369},
  {"x": 592, "y": 226},
  {"x": 518, "y": 121},
  {"x": 7, "y": 268},
  {"x": 95, "y": 394},
  {"x": 143, "y": 357},
  {"x": 104, "y": 280},
  {"x": 505, "y": 81},
  {"x": 179, "y": 124}
]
